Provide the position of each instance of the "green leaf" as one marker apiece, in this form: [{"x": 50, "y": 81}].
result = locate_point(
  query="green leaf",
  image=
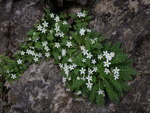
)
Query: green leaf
[
  {"x": 50, "y": 37},
  {"x": 100, "y": 100},
  {"x": 76, "y": 84},
  {"x": 38, "y": 45},
  {"x": 92, "y": 95}
]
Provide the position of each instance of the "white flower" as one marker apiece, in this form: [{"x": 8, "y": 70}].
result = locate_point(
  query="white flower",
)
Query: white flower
[
  {"x": 52, "y": 15},
  {"x": 64, "y": 79},
  {"x": 93, "y": 61},
  {"x": 79, "y": 14},
  {"x": 57, "y": 28},
  {"x": 47, "y": 48},
  {"x": 89, "y": 78},
  {"x": 57, "y": 45},
  {"x": 82, "y": 31},
  {"x": 44, "y": 43},
  {"x": 36, "y": 55},
  {"x": 116, "y": 76},
  {"x": 68, "y": 89},
  {"x": 83, "y": 14},
  {"x": 7, "y": 71},
  {"x": 68, "y": 44},
  {"x": 40, "y": 55},
  {"x": 44, "y": 30},
  {"x": 35, "y": 59},
  {"x": 85, "y": 52},
  {"x": 74, "y": 65},
  {"x": 116, "y": 70},
  {"x": 47, "y": 54},
  {"x": 82, "y": 70},
  {"x": 65, "y": 22},
  {"x": 89, "y": 85},
  {"x": 32, "y": 47},
  {"x": 22, "y": 52},
  {"x": 63, "y": 52},
  {"x": 69, "y": 60},
  {"x": 45, "y": 24},
  {"x": 95, "y": 69},
  {"x": 90, "y": 71},
  {"x": 89, "y": 55},
  {"x": 106, "y": 64},
  {"x": 83, "y": 60},
  {"x": 59, "y": 57},
  {"x": 95, "y": 39},
  {"x": 32, "y": 53},
  {"x": 78, "y": 93},
  {"x": 57, "y": 19},
  {"x": 66, "y": 67},
  {"x": 92, "y": 41},
  {"x": 88, "y": 30},
  {"x": 19, "y": 61},
  {"x": 69, "y": 78},
  {"x": 107, "y": 71},
  {"x": 83, "y": 78},
  {"x": 34, "y": 33},
  {"x": 78, "y": 78},
  {"x": 105, "y": 53},
  {"x": 39, "y": 27},
  {"x": 82, "y": 48},
  {"x": 61, "y": 34},
  {"x": 57, "y": 34},
  {"x": 108, "y": 57},
  {"x": 28, "y": 52},
  {"x": 13, "y": 76},
  {"x": 101, "y": 92},
  {"x": 112, "y": 54},
  {"x": 51, "y": 31},
  {"x": 70, "y": 38},
  {"x": 67, "y": 72},
  {"x": 71, "y": 67},
  {"x": 60, "y": 65}
]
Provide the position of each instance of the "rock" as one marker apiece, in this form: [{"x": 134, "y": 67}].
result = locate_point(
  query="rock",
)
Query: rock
[
  {"x": 128, "y": 22},
  {"x": 18, "y": 17},
  {"x": 40, "y": 88}
]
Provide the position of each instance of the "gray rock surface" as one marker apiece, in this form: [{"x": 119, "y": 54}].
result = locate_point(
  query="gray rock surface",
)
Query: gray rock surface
[{"x": 40, "y": 89}]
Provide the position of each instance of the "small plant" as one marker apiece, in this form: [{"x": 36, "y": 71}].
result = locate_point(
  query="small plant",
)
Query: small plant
[{"x": 89, "y": 65}]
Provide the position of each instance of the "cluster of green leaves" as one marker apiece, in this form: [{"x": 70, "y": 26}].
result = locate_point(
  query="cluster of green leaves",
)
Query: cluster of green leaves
[{"x": 77, "y": 50}]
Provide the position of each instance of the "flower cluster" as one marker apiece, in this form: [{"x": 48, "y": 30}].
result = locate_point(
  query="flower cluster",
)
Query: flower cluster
[{"x": 88, "y": 66}]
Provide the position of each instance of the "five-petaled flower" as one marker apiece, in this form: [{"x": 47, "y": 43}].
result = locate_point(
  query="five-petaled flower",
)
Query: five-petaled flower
[
  {"x": 82, "y": 70},
  {"x": 89, "y": 78},
  {"x": 45, "y": 24},
  {"x": 19, "y": 61},
  {"x": 82, "y": 31},
  {"x": 69, "y": 44},
  {"x": 57, "y": 19},
  {"x": 44, "y": 30},
  {"x": 52, "y": 15},
  {"x": 107, "y": 71},
  {"x": 57, "y": 45},
  {"x": 116, "y": 70},
  {"x": 22, "y": 52},
  {"x": 13, "y": 76},
  {"x": 106, "y": 64},
  {"x": 39, "y": 27},
  {"x": 89, "y": 85}
]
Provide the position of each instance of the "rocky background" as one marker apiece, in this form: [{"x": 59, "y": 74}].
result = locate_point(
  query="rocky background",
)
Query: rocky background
[{"x": 40, "y": 89}]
